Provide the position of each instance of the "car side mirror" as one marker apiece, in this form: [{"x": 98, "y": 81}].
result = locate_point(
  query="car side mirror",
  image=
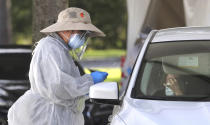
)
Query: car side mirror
[{"x": 105, "y": 92}]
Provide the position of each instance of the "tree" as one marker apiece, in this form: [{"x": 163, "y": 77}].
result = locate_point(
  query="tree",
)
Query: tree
[
  {"x": 5, "y": 22},
  {"x": 21, "y": 21},
  {"x": 45, "y": 13},
  {"x": 111, "y": 17}
]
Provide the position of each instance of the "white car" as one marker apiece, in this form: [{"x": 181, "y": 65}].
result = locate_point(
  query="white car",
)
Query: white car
[{"x": 170, "y": 82}]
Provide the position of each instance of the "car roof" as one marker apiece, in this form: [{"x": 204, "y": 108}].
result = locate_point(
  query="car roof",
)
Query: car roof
[
  {"x": 15, "y": 49},
  {"x": 13, "y": 46},
  {"x": 182, "y": 33}
]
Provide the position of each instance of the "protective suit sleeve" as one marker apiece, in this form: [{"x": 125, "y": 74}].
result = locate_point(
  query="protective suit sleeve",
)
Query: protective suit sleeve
[{"x": 62, "y": 85}]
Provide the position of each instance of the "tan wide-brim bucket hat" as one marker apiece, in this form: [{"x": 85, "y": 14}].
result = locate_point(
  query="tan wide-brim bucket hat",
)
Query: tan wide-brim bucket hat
[{"x": 74, "y": 19}]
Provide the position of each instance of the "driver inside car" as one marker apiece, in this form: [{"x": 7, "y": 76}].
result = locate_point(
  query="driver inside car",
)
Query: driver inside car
[{"x": 172, "y": 87}]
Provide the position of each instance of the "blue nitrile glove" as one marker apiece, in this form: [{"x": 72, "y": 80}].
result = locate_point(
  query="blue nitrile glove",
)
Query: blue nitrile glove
[{"x": 98, "y": 76}]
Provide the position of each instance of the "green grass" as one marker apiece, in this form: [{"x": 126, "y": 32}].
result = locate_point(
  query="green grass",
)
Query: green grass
[
  {"x": 104, "y": 53},
  {"x": 23, "y": 39}
]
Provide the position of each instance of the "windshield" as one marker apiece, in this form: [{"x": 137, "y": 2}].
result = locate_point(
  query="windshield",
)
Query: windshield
[{"x": 175, "y": 71}]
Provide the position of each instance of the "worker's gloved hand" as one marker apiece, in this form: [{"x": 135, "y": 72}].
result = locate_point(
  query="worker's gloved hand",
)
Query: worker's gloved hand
[{"x": 98, "y": 76}]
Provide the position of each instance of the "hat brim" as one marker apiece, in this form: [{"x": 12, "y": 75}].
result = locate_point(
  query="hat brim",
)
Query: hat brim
[{"x": 65, "y": 26}]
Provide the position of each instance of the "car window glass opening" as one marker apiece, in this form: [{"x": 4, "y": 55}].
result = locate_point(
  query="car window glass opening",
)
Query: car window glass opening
[{"x": 175, "y": 70}]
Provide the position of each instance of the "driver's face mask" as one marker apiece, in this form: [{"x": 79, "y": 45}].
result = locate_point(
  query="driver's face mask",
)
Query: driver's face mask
[{"x": 78, "y": 43}]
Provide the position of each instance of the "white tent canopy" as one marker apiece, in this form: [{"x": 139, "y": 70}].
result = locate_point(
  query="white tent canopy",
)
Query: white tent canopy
[
  {"x": 164, "y": 14},
  {"x": 197, "y": 12},
  {"x": 137, "y": 10}
]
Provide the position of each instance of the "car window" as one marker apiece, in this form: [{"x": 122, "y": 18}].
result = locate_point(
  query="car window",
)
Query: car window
[
  {"x": 14, "y": 65},
  {"x": 175, "y": 70}
]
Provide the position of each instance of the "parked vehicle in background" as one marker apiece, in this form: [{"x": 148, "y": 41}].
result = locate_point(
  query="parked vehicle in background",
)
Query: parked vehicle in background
[
  {"x": 152, "y": 98},
  {"x": 14, "y": 67}
]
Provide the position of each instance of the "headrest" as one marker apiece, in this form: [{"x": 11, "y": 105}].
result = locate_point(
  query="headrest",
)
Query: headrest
[{"x": 195, "y": 64}]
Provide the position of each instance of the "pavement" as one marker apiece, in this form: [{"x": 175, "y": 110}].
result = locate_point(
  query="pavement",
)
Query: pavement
[{"x": 106, "y": 62}]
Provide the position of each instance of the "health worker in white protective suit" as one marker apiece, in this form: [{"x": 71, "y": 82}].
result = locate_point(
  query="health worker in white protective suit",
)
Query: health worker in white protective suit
[{"x": 58, "y": 91}]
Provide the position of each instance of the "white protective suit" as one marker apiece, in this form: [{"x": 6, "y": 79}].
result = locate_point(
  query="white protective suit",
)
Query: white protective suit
[{"x": 57, "y": 90}]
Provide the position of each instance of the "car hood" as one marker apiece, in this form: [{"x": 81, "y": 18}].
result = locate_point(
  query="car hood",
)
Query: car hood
[{"x": 147, "y": 112}]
